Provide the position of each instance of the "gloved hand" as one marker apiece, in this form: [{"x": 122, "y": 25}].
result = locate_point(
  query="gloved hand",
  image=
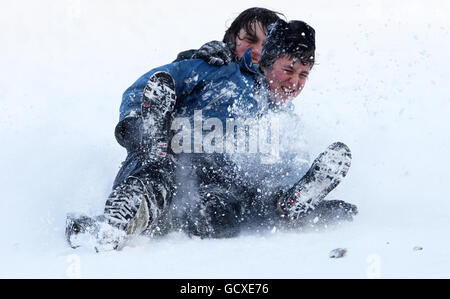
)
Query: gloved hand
[{"x": 216, "y": 53}]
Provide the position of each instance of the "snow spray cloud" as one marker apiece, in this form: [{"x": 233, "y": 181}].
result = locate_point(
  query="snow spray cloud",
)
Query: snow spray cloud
[{"x": 231, "y": 136}]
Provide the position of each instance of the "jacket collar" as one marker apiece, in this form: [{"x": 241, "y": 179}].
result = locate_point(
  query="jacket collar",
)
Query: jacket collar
[{"x": 246, "y": 63}]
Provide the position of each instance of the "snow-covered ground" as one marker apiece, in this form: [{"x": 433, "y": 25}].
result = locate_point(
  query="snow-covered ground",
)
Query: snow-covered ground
[{"x": 381, "y": 85}]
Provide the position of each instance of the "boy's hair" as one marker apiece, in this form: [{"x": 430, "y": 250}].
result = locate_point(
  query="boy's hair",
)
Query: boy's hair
[
  {"x": 295, "y": 39},
  {"x": 246, "y": 20}
]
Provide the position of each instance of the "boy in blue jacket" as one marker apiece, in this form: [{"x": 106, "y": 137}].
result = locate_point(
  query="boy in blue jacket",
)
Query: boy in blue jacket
[{"x": 211, "y": 193}]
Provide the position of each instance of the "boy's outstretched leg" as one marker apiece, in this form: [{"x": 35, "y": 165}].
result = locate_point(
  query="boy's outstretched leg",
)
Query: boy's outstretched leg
[
  {"x": 327, "y": 212},
  {"x": 326, "y": 172},
  {"x": 138, "y": 205},
  {"x": 143, "y": 187}
]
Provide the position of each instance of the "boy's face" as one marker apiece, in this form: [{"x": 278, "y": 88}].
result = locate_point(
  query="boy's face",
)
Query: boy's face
[
  {"x": 253, "y": 40},
  {"x": 286, "y": 79}
]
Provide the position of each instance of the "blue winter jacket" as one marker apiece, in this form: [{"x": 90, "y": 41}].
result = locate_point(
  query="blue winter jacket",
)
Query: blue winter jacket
[{"x": 222, "y": 92}]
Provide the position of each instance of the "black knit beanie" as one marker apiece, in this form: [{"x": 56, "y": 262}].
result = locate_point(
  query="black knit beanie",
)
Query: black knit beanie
[{"x": 295, "y": 38}]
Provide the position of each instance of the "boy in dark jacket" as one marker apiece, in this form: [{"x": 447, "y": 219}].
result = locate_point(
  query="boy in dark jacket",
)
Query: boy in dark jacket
[{"x": 204, "y": 193}]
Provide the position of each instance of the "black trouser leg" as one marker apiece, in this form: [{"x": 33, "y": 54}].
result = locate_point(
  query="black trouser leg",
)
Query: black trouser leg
[
  {"x": 141, "y": 182},
  {"x": 215, "y": 214}
]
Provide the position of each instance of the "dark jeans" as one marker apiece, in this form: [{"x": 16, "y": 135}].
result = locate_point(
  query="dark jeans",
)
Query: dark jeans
[{"x": 200, "y": 195}]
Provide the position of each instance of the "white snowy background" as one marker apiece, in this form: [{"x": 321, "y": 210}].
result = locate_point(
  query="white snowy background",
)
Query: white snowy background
[{"x": 381, "y": 85}]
